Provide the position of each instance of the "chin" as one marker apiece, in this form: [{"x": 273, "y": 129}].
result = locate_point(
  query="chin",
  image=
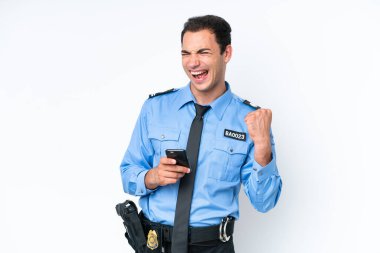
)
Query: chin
[{"x": 204, "y": 86}]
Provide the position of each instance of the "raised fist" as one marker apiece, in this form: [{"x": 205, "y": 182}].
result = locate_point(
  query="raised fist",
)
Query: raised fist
[{"x": 258, "y": 123}]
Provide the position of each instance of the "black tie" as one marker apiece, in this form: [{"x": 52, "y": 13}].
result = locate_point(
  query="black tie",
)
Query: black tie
[{"x": 186, "y": 186}]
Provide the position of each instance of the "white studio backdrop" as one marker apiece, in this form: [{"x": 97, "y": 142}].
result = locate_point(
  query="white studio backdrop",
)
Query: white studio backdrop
[{"x": 74, "y": 74}]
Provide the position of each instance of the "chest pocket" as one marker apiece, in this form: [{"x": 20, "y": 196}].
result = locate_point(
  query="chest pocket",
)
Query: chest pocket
[
  {"x": 163, "y": 138},
  {"x": 227, "y": 159}
]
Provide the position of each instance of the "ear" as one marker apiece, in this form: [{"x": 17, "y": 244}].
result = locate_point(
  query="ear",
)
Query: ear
[{"x": 227, "y": 53}]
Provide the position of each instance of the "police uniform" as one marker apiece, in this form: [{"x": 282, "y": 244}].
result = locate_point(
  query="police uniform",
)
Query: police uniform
[{"x": 226, "y": 159}]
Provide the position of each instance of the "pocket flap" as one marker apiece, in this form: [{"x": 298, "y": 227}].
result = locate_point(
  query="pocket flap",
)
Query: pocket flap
[
  {"x": 163, "y": 133},
  {"x": 232, "y": 147}
]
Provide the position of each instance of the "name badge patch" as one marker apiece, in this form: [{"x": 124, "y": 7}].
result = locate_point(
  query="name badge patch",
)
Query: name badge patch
[{"x": 235, "y": 135}]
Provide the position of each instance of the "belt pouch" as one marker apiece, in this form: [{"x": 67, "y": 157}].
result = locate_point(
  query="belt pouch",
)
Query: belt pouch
[{"x": 134, "y": 234}]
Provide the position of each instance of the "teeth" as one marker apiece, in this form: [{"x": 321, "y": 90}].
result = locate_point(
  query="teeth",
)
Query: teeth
[{"x": 196, "y": 72}]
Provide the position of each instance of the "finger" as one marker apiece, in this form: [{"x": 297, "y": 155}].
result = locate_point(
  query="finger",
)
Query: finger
[
  {"x": 167, "y": 181},
  {"x": 171, "y": 181},
  {"x": 183, "y": 169},
  {"x": 250, "y": 116},
  {"x": 168, "y": 161},
  {"x": 250, "y": 121},
  {"x": 172, "y": 175},
  {"x": 178, "y": 169}
]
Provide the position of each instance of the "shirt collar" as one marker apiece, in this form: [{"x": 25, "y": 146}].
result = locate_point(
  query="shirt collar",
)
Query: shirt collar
[
  {"x": 184, "y": 96},
  {"x": 219, "y": 105}
]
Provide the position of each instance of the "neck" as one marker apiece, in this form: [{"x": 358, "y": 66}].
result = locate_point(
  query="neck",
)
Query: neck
[{"x": 207, "y": 97}]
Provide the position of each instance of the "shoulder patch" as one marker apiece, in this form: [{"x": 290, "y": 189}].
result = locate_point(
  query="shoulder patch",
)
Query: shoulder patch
[
  {"x": 251, "y": 105},
  {"x": 161, "y": 93}
]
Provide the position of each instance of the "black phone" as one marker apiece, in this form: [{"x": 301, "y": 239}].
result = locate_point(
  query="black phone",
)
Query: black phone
[{"x": 179, "y": 155}]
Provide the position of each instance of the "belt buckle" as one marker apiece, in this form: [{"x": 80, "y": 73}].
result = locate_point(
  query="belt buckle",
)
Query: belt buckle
[{"x": 223, "y": 229}]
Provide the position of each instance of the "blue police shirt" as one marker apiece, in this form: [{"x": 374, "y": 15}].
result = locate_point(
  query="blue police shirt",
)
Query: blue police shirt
[{"x": 225, "y": 159}]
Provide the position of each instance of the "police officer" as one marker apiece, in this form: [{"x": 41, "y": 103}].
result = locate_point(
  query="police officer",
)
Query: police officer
[{"x": 236, "y": 147}]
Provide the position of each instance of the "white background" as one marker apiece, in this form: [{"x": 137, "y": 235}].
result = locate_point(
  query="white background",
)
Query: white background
[{"x": 74, "y": 74}]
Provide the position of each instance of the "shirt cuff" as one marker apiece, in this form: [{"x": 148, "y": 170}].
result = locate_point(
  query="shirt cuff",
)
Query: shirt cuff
[
  {"x": 261, "y": 173},
  {"x": 141, "y": 188}
]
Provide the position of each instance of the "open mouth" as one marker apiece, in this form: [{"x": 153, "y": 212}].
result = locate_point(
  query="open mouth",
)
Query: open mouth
[{"x": 199, "y": 75}]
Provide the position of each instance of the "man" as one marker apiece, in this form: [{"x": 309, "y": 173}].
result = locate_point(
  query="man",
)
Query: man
[{"x": 236, "y": 147}]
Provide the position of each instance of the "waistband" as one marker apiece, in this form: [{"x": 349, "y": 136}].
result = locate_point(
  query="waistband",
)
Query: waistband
[{"x": 222, "y": 232}]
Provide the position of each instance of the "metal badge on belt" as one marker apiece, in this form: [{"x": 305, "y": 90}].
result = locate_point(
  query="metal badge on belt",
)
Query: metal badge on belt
[{"x": 152, "y": 242}]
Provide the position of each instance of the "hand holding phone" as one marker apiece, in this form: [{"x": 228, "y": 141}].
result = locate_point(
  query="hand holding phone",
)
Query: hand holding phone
[{"x": 179, "y": 155}]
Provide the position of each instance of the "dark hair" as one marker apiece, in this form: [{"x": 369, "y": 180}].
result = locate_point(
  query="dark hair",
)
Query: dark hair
[{"x": 215, "y": 24}]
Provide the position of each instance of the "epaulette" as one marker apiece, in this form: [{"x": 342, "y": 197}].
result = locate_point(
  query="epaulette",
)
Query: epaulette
[
  {"x": 161, "y": 93},
  {"x": 256, "y": 107}
]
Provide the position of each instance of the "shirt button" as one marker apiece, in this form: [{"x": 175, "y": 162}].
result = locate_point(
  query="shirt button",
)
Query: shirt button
[
  {"x": 162, "y": 136},
  {"x": 231, "y": 150}
]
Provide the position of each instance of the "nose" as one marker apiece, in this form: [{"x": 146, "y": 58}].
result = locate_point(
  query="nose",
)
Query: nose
[{"x": 193, "y": 61}]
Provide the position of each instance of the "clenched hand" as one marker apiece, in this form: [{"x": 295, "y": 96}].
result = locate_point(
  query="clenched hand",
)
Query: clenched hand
[{"x": 258, "y": 123}]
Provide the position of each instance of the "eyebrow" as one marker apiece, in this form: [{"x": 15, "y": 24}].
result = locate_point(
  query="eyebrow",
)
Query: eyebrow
[{"x": 199, "y": 50}]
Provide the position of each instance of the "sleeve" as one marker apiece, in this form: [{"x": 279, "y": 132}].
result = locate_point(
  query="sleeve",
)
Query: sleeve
[
  {"x": 262, "y": 185},
  {"x": 138, "y": 158}
]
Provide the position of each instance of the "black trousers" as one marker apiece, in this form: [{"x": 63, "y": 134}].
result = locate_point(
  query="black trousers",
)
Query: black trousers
[{"x": 215, "y": 246}]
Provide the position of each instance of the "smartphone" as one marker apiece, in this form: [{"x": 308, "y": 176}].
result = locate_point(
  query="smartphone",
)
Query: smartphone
[{"x": 179, "y": 155}]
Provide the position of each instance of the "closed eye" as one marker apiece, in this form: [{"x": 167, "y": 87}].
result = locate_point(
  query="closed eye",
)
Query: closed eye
[{"x": 204, "y": 51}]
